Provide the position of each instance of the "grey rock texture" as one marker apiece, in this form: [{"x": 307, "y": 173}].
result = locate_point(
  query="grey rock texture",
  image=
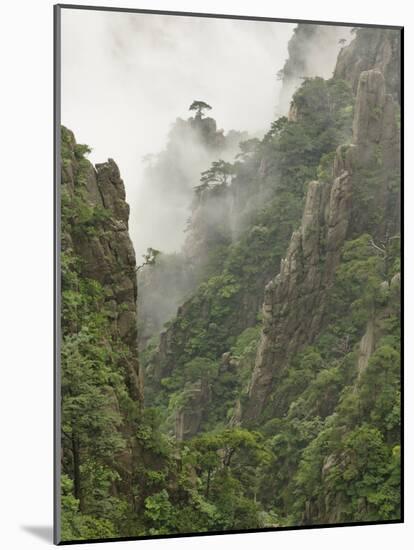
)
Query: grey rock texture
[
  {"x": 374, "y": 120},
  {"x": 294, "y": 300},
  {"x": 376, "y": 156},
  {"x": 189, "y": 417},
  {"x": 372, "y": 49},
  {"x": 313, "y": 50},
  {"x": 107, "y": 254},
  {"x": 294, "y": 303}
]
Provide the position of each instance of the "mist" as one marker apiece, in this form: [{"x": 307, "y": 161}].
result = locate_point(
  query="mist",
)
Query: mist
[
  {"x": 127, "y": 77},
  {"x": 313, "y": 50}
]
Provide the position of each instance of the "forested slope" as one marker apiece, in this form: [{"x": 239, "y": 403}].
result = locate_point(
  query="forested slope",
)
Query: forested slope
[{"x": 272, "y": 397}]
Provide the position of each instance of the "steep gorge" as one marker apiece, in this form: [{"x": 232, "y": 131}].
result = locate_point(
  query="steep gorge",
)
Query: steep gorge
[
  {"x": 259, "y": 412},
  {"x": 242, "y": 244}
]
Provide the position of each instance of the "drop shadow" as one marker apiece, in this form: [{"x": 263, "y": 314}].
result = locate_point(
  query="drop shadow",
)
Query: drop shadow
[{"x": 43, "y": 532}]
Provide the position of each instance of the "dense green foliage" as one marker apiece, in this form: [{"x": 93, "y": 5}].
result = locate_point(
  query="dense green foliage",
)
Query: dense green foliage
[
  {"x": 326, "y": 448},
  {"x": 238, "y": 268},
  {"x": 103, "y": 493},
  {"x": 335, "y": 422}
]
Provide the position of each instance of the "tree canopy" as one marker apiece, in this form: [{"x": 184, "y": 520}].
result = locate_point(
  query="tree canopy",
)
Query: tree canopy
[
  {"x": 219, "y": 173},
  {"x": 200, "y": 107}
]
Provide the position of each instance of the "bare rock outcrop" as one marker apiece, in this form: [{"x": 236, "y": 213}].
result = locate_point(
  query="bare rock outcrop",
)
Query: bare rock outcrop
[
  {"x": 295, "y": 300},
  {"x": 101, "y": 241},
  {"x": 372, "y": 49},
  {"x": 313, "y": 50},
  {"x": 189, "y": 417}
]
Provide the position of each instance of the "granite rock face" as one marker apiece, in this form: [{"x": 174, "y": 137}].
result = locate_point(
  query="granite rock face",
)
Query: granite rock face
[
  {"x": 375, "y": 119},
  {"x": 295, "y": 300},
  {"x": 293, "y": 306},
  {"x": 189, "y": 417},
  {"x": 107, "y": 254},
  {"x": 313, "y": 51},
  {"x": 376, "y": 153},
  {"x": 372, "y": 49}
]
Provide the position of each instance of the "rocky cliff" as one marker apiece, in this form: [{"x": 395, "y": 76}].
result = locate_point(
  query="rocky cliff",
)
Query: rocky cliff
[
  {"x": 294, "y": 304},
  {"x": 372, "y": 49},
  {"x": 312, "y": 51},
  {"x": 289, "y": 408},
  {"x": 97, "y": 233},
  {"x": 235, "y": 225}
]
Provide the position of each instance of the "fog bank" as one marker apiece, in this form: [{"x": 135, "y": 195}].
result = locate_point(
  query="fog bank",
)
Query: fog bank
[{"x": 127, "y": 77}]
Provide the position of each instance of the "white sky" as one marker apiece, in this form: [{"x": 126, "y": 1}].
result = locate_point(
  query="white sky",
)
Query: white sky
[{"x": 126, "y": 77}]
